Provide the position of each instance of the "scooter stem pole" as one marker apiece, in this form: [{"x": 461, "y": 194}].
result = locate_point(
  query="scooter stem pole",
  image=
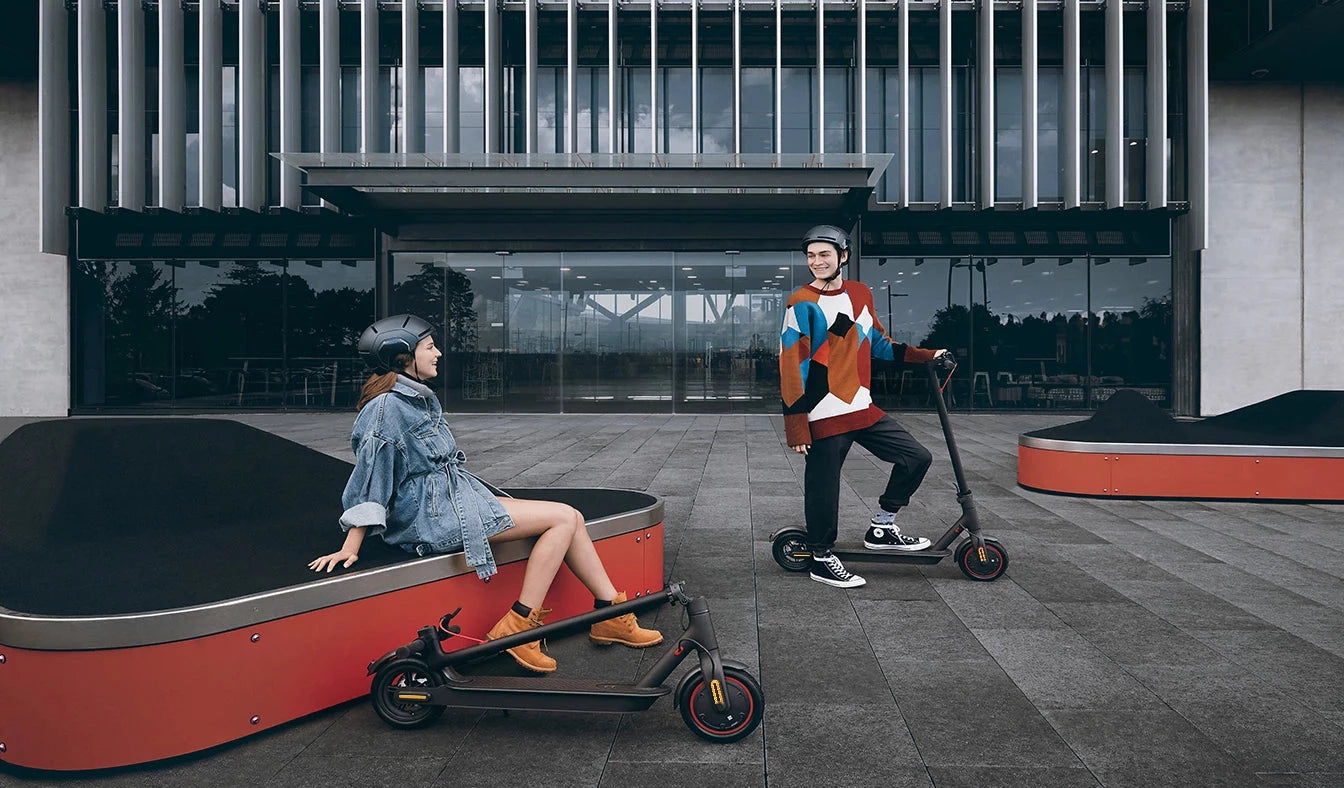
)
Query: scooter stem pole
[{"x": 930, "y": 367}]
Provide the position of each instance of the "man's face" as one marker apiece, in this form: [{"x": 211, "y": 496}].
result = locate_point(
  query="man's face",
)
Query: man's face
[{"x": 823, "y": 259}]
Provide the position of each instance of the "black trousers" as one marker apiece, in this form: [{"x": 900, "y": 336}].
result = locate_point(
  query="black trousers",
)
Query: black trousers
[{"x": 889, "y": 442}]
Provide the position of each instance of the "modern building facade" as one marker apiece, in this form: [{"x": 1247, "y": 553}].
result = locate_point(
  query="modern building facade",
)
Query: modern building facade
[{"x": 599, "y": 202}]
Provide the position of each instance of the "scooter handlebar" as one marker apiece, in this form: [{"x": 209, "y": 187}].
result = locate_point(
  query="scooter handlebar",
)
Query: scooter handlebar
[{"x": 945, "y": 361}]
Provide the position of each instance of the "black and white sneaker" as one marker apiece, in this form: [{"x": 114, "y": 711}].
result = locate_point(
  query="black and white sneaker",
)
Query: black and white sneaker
[
  {"x": 889, "y": 537},
  {"x": 826, "y": 568}
]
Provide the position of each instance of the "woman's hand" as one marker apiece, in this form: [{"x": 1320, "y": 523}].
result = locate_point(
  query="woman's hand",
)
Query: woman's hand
[
  {"x": 801, "y": 449},
  {"x": 344, "y": 556}
]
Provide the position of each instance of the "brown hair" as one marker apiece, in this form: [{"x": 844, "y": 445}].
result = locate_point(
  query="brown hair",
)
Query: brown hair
[{"x": 381, "y": 383}]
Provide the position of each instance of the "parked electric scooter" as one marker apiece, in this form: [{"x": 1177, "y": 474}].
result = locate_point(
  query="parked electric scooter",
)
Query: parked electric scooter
[
  {"x": 980, "y": 557},
  {"x": 719, "y": 701}
]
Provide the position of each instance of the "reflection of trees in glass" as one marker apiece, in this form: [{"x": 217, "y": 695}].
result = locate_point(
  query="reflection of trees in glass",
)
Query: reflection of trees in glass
[
  {"x": 137, "y": 310},
  {"x": 239, "y": 318},
  {"x": 444, "y": 298},
  {"x": 1132, "y": 346}
]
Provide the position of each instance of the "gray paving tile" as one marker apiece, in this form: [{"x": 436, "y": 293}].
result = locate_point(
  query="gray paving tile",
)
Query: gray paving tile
[
  {"x": 1009, "y": 777},
  {"x": 524, "y": 747},
  {"x": 627, "y": 774},
  {"x": 337, "y": 771},
  {"x": 841, "y": 744},
  {"x": 1256, "y": 724},
  {"x": 1131, "y": 635},
  {"x": 971, "y": 714},
  {"x": 918, "y": 631},
  {"x": 1143, "y": 748},
  {"x": 836, "y": 666},
  {"x": 1059, "y": 669}
]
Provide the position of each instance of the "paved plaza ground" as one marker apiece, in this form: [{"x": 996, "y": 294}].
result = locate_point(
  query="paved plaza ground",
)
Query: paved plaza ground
[{"x": 1130, "y": 643}]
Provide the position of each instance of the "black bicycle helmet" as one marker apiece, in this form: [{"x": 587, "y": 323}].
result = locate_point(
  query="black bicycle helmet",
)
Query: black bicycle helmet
[
  {"x": 830, "y": 234},
  {"x": 382, "y": 342}
]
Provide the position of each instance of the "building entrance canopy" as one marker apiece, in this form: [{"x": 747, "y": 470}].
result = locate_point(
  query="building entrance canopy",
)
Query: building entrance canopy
[{"x": 395, "y": 189}]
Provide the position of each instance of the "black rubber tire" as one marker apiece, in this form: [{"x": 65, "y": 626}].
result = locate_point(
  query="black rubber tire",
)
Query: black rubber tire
[
  {"x": 994, "y": 565},
  {"x": 699, "y": 714},
  {"x": 786, "y": 542},
  {"x": 401, "y": 674}
]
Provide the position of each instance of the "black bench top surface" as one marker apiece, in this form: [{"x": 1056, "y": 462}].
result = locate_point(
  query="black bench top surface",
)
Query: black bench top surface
[
  {"x": 1297, "y": 418},
  {"x": 126, "y": 515}
]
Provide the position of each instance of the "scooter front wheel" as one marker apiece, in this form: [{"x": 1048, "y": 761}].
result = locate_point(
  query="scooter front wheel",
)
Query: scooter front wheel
[
  {"x": 790, "y": 549},
  {"x": 983, "y": 564},
  {"x": 746, "y": 706},
  {"x": 397, "y": 680}
]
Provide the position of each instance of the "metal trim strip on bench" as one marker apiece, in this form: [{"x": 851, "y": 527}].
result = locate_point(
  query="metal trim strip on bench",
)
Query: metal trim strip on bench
[
  {"x": 1193, "y": 449},
  {"x": 75, "y": 633}
]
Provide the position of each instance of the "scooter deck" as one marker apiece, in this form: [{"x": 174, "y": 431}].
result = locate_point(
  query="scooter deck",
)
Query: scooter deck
[
  {"x": 537, "y": 694},
  {"x": 894, "y": 556}
]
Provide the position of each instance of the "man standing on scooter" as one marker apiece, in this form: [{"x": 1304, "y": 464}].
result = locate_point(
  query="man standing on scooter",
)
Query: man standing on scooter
[{"x": 831, "y": 335}]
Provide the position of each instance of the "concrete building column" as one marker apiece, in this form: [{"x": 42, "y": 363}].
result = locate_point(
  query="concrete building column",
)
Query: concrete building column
[
  {"x": 1274, "y": 244},
  {"x": 35, "y": 298}
]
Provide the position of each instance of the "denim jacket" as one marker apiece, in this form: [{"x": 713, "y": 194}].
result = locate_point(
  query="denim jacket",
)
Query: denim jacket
[{"x": 409, "y": 485}]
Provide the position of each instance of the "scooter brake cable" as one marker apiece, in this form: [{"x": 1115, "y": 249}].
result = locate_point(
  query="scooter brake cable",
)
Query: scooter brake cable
[{"x": 943, "y": 387}]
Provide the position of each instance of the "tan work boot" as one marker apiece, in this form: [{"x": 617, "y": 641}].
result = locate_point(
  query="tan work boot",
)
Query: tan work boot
[
  {"x": 624, "y": 630},
  {"x": 529, "y": 655}
]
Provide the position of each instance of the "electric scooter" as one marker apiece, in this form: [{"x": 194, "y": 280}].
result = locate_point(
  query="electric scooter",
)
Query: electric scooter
[
  {"x": 979, "y": 557},
  {"x": 719, "y": 701}
]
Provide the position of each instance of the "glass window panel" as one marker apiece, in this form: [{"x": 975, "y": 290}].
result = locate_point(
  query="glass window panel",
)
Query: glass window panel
[
  {"x": 730, "y": 308},
  {"x": 638, "y": 117},
  {"x": 123, "y": 326},
  {"x": 674, "y": 111},
  {"x": 1049, "y": 167},
  {"x": 230, "y": 333},
  {"x": 328, "y": 304},
  {"x": 461, "y": 294},
  {"x": 534, "y": 320},
  {"x": 1008, "y": 133},
  {"x": 617, "y": 329},
  {"x": 1131, "y": 327},
  {"x": 1030, "y": 335},
  {"x": 797, "y": 110},
  {"x": 716, "y": 110},
  {"x": 471, "y": 109},
  {"x": 758, "y": 110}
]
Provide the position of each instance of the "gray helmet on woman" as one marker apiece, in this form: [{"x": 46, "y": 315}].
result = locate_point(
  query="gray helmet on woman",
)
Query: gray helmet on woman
[
  {"x": 828, "y": 233},
  {"x": 382, "y": 342}
]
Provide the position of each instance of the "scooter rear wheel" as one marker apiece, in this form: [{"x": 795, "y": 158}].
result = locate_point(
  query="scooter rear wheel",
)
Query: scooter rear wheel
[
  {"x": 790, "y": 550},
  {"x": 400, "y": 676},
  {"x": 984, "y": 567},
  {"x": 745, "y": 712}
]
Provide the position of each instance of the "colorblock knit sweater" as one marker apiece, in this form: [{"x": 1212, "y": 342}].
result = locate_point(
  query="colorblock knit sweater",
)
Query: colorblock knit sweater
[{"x": 826, "y": 350}]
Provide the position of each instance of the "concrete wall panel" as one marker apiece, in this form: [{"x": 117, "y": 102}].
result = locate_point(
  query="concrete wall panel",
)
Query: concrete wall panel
[
  {"x": 1323, "y": 237},
  {"x": 34, "y": 299}
]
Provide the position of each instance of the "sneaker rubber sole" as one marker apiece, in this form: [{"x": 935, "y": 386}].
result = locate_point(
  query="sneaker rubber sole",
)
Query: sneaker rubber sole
[{"x": 924, "y": 544}]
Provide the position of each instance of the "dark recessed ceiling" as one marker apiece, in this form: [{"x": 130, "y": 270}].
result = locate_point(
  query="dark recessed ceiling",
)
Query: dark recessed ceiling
[{"x": 1301, "y": 45}]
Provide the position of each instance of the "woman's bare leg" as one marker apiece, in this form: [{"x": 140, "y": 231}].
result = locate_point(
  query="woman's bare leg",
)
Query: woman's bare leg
[{"x": 562, "y": 537}]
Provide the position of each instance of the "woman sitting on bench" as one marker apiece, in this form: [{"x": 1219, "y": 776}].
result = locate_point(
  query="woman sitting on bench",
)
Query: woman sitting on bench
[{"x": 410, "y": 488}]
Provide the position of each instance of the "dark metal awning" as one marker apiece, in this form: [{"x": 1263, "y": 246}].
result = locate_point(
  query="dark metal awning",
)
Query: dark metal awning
[{"x": 395, "y": 189}]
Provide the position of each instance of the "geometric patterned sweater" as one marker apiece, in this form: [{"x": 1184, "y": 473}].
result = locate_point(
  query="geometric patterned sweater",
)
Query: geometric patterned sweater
[{"x": 826, "y": 350}]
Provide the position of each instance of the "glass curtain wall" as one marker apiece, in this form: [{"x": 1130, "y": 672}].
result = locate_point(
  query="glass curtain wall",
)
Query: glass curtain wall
[
  {"x": 205, "y": 334},
  {"x": 602, "y": 331},
  {"x": 1056, "y": 332}
]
